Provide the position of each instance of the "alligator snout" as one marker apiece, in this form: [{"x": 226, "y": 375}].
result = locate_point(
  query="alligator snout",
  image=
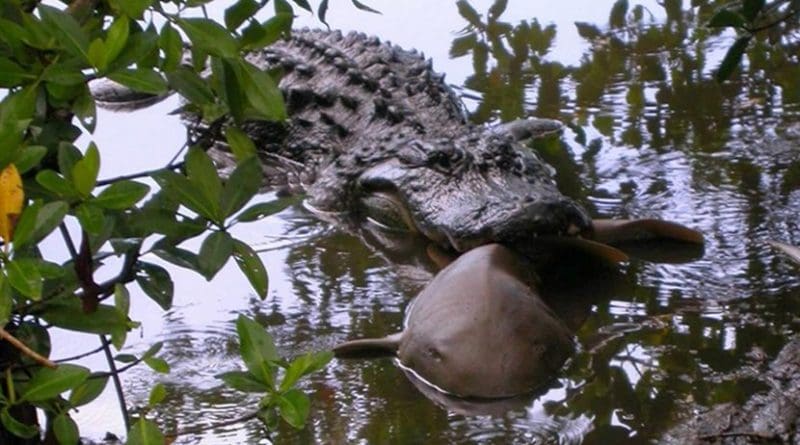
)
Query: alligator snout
[{"x": 516, "y": 225}]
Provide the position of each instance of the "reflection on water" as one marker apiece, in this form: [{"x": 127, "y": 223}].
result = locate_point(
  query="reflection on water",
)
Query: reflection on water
[{"x": 651, "y": 135}]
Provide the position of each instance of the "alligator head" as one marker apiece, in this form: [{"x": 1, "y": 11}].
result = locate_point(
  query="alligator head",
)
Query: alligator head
[{"x": 479, "y": 188}]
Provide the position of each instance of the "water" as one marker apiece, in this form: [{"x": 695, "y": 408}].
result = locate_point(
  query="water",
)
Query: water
[{"x": 651, "y": 137}]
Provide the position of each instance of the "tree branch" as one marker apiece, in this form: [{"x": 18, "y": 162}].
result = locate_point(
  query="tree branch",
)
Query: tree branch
[
  {"x": 776, "y": 22},
  {"x": 144, "y": 174},
  {"x": 123, "y": 406},
  {"x": 40, "y": 359}
]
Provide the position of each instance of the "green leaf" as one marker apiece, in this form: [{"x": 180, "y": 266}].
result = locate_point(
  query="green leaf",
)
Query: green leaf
[
  {"x": 240, "y": 11},
  {"x": 141, "y": 46},
  {"x": 65, "y": 429},
  {"x": 141, "y": 79},
  {"x": 257, "y": 349},
  {"x": 157, "y": 364},
  {"x": 262, "y": 93},
  {"x": 364, "y": 7},
  {"x": 617, "y": 16},
  {"x": 144, "y": 432},
  {"x": 588, "y": 31},
  {"x": 463, "y": 45},
  {"x": 121, "y": 195},
  {"x": 241, "y": 186},
  {"x": 156, "y": 283},
  {"x": 157, "y": 395},
  {"x": 253, "y": 268},
  {"x": 117, "y": 38},
  {"x": 171, "y": 43},
  {"x": 6, "y": 301},
  {"x": 264, "y": 209},
  {"x": 154, "y": 349},
  {"x": 202, "y": 173},
  {"x": 85, "y": 109},
  {"x": 30, "y": 157},
  {"x": 177, "y": 256},
  {"x": 732, "y": 58},
  {"x": 12, "y": 74},
  {"x": 256, "y": 35},
  {"x": 497, "y": 8},
  {"x": 303, "y": 366},
  {"x": 303, "y": 4},
  {"x": 181, "y": 189},
  {"x": 726, "y": 17},
  {"x": 230, "y": 86},
  {"x": 751, "y": 8},
  {"x": 50, "y": 270},
  {"x": 294, "y": 407},
  {"x": 214, "y": 253},
  {"x": 210, "y": 36},
  {"x": 37, "y": 221},
  {"x": 243, "y": 381},
  {"x": 240, "y": 143},
  {"x": 84, "y": 172},
  {"x": 87, "y": 391},
  {"x": 55, "y": 183},
  {"x": 66, "y": 30},
  {"x": 133, "y": 8},
  {"x": 69, "y": 314},
  {"x": 24, "y": 276},
  {"x": 91, "y": 217},
  {"x": 322, "y": 11},
  {"x": 48, "y": 383},
  {"x": 63, "y": 74},
  {"x": 469, "y": 13},
  {"x": 97, "y": 54},
  {"x": 125, "y": 358},
  {"x": 191, "y": 86},
  {"x": 283, "y": 7},
  {"x": 16, "y": 427}
]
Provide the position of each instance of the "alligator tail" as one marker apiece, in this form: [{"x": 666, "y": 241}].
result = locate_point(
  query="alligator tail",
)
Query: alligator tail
[{"x": 368, "y": 347}]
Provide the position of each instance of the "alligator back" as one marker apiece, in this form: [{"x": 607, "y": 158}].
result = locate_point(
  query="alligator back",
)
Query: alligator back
[{"x": 342, "y": 89}]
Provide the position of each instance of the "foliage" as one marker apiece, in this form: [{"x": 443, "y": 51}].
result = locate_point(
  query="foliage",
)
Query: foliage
[
  {"x": 519, "y": 52},
  {"x": 261, "y": 358},
  {"x": 48, "y": 57},
  {"x": 750, "y": 19}
]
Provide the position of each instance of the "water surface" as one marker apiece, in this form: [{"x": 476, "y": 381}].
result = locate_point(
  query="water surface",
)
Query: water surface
[{"x": 652, "y": 135}]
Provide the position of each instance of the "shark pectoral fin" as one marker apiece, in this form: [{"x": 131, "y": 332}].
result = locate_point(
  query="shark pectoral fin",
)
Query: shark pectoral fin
[
  {"x": 588, "y": 247},
  {"x": 369, "y": 347},
  {"x": 614, "y": 231},
  {"x": 790, "y": 251},
  {"x": 651, "y": 240}
]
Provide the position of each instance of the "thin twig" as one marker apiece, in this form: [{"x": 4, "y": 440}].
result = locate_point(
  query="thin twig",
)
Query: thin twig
[
  {"x": 79, "y": 356},
  {"x": 144, "y": 174},
  {"x": 785, "y": 17},
  {"x": 73, "y": 252},
  {"x": 40, "y": 359},
  {"x": 117, "y": 383}
]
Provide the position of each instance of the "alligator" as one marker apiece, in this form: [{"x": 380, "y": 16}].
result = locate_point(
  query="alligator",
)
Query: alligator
[{"x": 376, "y": 133}]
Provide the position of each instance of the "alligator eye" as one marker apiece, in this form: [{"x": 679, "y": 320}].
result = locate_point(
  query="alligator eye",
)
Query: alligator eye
[
  {"x": 439, "y": 158},
  {"x": 387, "y": 210}
]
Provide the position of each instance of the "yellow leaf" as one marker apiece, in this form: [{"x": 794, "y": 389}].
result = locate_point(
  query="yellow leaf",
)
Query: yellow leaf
[{"x": 11, "y": 197}]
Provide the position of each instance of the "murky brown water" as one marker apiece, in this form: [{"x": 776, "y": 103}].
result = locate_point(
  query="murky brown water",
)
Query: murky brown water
[{"x": 653, "y": 137}]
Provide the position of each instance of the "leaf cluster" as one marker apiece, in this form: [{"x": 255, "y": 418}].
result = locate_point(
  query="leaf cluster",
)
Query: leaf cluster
[
  {"x": 750, "y": 18},
  {"x": 49, "y": 57}
]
